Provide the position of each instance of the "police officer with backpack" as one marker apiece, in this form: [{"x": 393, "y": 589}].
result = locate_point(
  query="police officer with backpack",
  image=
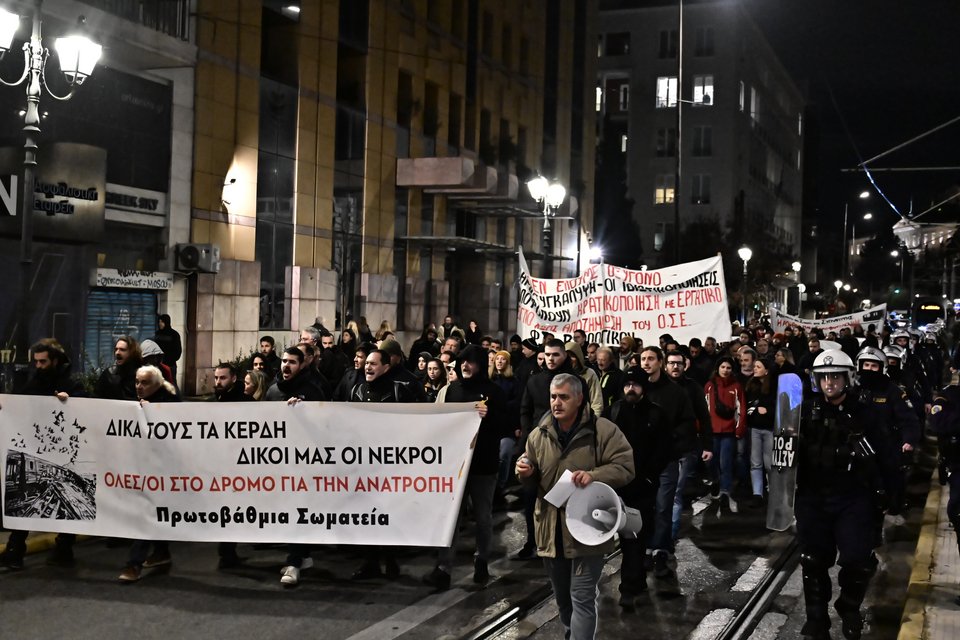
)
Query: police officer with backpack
[
  {"x": 945, "y": 424},
  {"x": 844, "y": 466}
]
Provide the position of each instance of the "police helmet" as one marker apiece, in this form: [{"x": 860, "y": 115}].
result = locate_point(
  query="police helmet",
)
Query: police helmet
[
  {"x": 899, "y": 333},
  {"x": 872, "y": 354},
  {"x": 930, "y": 336},
  {"x": 832, "y": 361},
  {"x": 894, "y": 352}
]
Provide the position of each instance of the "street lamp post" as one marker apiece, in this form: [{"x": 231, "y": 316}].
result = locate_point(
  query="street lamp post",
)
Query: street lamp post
[
  {"x": 845, "y": 259},
  {"x": 78, "y": 56},
  {"x": 549, "y": 196},
  {"x": 745, "y": 254}
]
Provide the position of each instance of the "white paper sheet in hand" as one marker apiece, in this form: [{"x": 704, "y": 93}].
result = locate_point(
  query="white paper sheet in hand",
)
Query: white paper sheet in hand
[{"x": 561, "y": 491}]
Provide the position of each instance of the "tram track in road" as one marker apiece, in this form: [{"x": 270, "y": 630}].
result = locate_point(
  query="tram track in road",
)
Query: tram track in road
[{"x": 740, "y": 625}]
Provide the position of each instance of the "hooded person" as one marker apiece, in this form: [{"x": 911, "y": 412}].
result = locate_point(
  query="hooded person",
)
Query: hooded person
[
  {"x": 473, "y": 384},
  {"x": 154, "y": 355},
  {"x": 579, "y": 364}
]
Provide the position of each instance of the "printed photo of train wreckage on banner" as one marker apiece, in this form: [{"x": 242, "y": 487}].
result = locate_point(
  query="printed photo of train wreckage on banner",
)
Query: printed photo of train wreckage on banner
[
  {"x": 608, "y": 302},
  {"x": 45, "y": 472}
]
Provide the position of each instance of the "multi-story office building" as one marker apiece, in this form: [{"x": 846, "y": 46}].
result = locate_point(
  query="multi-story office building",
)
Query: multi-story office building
[
  {"x": 731, "y": 128},
  {"x": 342, "y": 158}
]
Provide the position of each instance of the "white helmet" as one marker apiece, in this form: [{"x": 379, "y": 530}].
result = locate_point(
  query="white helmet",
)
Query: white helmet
[
  {"x": 872, "y": 354},
  {"x": 899, "y": 333},
  {"x": 894, "y": 352},
  {"x": 832, "y": 361}
]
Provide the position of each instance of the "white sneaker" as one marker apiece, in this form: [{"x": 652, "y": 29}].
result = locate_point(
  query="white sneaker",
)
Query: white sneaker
[
  {"x": 291, "y": 576},
  {"x": 306, "y": 563},
  {"x": 733, "y": 504}
]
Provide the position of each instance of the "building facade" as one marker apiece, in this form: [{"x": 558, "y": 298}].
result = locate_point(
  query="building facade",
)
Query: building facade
[
  {"x": 271, "y": 164},
  {"x": 731, "y": 127}
]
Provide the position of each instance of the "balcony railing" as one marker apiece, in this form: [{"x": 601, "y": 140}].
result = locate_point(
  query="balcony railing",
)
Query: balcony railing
[{"x": 171, "y": 17}]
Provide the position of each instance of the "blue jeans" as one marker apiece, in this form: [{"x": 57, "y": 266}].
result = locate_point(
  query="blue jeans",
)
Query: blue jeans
[
  {"x": 663, "y": 518},
  {"x": 479, "y": 491},
  {"x": 688, "y": 464},
  {"x": 575, "y": 588},
  {"x": 761, "y": 457},
  {"x": 724, "y": 451}
]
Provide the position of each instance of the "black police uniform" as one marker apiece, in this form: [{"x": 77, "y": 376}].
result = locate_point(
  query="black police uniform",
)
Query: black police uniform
[
  {"x": 945, "y": 423},
  {"x": 844, "y": 462},
  {"x": 888, "y": 405}
]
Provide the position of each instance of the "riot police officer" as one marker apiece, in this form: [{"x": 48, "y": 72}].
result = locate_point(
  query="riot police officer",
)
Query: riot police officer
[
  {"x": 945, "y": 423},
  {"x": 912, "y": 372},
  {"x": 896, "y": 358},
  {"x": 844, "y": 459},
  {"x": 888, "y": 406}
]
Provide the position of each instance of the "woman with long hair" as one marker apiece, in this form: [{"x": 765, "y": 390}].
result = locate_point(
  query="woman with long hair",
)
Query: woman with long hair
[
  {"x": 784, "y": 359},
  {"x": 761, "y": 397},
  {"x": 421, "y": 365},
  {"x": 362, "y": 330},
  {"x": 501, "y": 374},
  {"x": 473, "y": 335},
  {"x": 255, "y": 384},
  {"x": 348, "y": 340},
  {"x": 726, "y": 401},
  {"x": 382, "y": 332},
  {"x": 435, "y": 379}
]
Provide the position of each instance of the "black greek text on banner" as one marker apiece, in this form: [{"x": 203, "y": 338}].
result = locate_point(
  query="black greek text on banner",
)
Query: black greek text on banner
[
  {"x": 321, "y": 473},
  {"x": 608, "y": 302}
]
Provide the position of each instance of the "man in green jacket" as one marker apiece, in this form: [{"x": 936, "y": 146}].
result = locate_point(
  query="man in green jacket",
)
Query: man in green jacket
[{"x": 572, "y": 438}]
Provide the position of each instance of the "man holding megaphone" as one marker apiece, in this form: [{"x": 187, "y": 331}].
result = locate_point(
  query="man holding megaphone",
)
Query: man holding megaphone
[{"x": 571, "y": 438}]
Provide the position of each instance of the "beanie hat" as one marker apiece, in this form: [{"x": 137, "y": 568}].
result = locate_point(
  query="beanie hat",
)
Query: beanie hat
[
  {"x": 530, "y": 343},
  {"x": 392, "y": 347}
]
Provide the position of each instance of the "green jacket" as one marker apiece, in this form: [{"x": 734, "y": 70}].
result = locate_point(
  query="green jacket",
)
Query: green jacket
[{"x": 598, "y": 447}]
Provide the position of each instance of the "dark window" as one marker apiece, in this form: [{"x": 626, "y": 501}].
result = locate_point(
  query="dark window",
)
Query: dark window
[
  {"x": 704, "y": 42},
  {"x": 700, "y": 194},
  {"x": 426, "y": 215},
  {"x": 278, "y": 52},
  {"x": 454, "y": 118},
  {"x": 521, "y": 146},
  {"x": 400, "y": 252},
  {"x": 431, "y": 110},
  {"x": 506, "y": 47},
  {"x": 668, "y": 43},
  {"x": 275, "y": 187},
  {"x": 486, "y": 151},
  {"x": 666, "y": 142},
  {"x": 486, "y": 46},
  {"x": 524, "y": 56},
  {"x": 702, "y": 141},
  {"x": 617, "y": 44},
  {"x": 354, "y": 23}
]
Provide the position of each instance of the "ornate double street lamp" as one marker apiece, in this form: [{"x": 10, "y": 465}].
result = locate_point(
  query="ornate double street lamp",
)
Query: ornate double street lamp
[
  {"x": 78, "y": 55},
  {"x": 549, "y": 196},
  {"x": 745, "y": 254}
]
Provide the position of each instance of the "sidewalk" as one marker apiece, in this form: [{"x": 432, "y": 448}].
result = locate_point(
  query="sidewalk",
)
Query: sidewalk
[{"x": 930, "y": 611}]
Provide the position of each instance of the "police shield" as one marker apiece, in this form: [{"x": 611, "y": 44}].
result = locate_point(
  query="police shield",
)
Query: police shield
[{"x": 783, "y": 472}]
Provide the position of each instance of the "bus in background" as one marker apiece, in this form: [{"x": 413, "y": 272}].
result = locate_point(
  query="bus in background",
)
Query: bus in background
[{"x": 932, "y": 314}]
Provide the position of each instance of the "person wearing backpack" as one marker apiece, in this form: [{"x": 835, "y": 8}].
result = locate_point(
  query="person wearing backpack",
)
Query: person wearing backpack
[{"x": 725, "y": 399}]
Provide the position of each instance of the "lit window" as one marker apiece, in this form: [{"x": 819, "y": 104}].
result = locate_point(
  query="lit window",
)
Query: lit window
[
  {"x": 702, "y": 90},
  {"x": 754, "y": 105},
  {"x": 800, "y": 124},
  {"x": 663, "y": 191},
  {"x": 624, "y": 97},
  {"x": 666, "y": 91},
  {"x": 599, "y": 98},
  {"x": 623, "y": 143},
  {"x": 742, "y": 96}
]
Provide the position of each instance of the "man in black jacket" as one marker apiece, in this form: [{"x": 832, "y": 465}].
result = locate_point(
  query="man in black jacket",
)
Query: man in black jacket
[
  {"x": 379, "y": 386},
  {"x": 643, "y": 423},
  {"x": 679, "y": 419},
  {"x": 168, "y": 339},
  {"x": 295, "y": 380},
  {"x": 118, "y": 381},
  {"x": 400, "y": 374},
  {"x": 225, "y": 387},
  {"x": 676, "y": 365},
  {"x": 474, "y": 385},
  {"x": 51, "y": 377}
]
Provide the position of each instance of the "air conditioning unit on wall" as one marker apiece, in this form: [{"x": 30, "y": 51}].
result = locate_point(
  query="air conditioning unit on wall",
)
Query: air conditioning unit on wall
[{"x": 202, "y": 258}]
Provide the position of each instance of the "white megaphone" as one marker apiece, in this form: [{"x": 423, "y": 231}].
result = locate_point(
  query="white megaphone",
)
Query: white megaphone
[{"x": 595, "y": 513}]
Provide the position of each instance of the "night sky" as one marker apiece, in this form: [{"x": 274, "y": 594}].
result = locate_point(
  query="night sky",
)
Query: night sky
[{"x": 878, "y": 73}]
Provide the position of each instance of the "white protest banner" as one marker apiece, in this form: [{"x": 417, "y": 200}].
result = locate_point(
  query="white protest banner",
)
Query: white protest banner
[
  {"x": 874, "y": 315},
  {"x": 321, "y": 473},
  {"x": 608, "y": 302}
]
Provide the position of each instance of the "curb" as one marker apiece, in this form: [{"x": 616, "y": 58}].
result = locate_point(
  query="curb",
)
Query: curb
[
  {"x": 914, "y": 619},
  {"x": 40, "y": 542}
]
